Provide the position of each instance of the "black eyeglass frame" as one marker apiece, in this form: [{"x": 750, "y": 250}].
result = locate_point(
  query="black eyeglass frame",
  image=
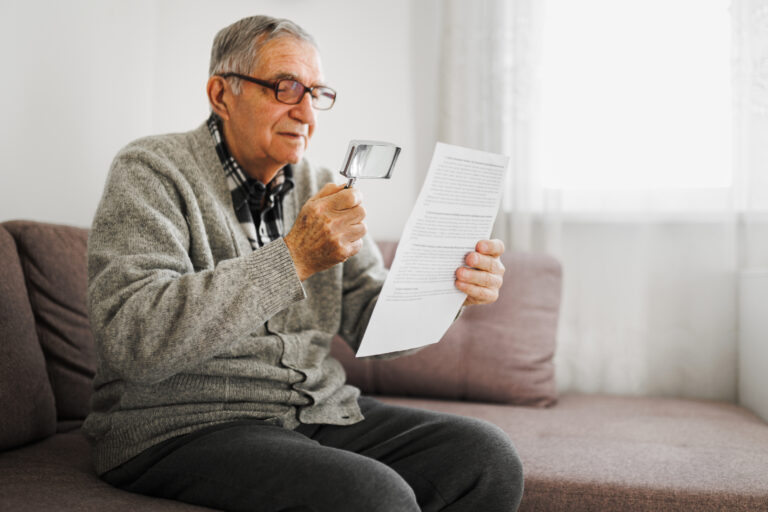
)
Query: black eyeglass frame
[{"x": 276, "y": 85}]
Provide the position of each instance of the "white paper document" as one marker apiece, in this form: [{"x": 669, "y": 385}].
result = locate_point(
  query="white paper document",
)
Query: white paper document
[{"x": 455, "y": 209}]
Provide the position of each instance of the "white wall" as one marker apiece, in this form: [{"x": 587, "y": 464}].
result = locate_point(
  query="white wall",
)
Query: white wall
[
  {"x": 82, "y": 78},
  {"x": 649, "y": 307},
  {"x": 76, "y": 86}
]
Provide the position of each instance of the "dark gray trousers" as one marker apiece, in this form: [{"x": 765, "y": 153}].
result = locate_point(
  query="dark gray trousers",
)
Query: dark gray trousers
[{"x": 398, "y": 459}]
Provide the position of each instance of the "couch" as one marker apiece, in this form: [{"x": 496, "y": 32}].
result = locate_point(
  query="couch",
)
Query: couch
[{"x": 580, "y": 452}]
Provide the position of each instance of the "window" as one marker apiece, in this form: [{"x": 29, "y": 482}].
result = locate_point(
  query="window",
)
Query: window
[{"x": 635, "y": 97}]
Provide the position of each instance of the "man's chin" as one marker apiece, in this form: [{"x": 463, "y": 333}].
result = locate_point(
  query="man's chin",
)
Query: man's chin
[
  {"x": 293, "y": 157},
  {"x": 289, "y": 154}
]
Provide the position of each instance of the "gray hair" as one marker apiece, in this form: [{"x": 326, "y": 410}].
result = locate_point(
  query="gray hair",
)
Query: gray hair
[{"x": 237, "y": 48}]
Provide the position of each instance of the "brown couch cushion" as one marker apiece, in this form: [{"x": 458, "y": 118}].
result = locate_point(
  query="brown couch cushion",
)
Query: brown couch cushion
[
  {"x": 500, "y": 352},
  {"x": 57, "y": 474},
  {"x": 54, "y": 261},
  {"x": 26, "y": 400},
  {"x": 609, "y": 453}
]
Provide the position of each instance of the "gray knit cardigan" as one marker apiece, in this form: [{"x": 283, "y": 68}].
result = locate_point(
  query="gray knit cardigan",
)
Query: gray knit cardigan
[{"x": 192, "y": 327}]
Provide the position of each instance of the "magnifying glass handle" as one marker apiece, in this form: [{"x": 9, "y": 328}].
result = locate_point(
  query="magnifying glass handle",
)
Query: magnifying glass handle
[{"x": 350, "y": 182}]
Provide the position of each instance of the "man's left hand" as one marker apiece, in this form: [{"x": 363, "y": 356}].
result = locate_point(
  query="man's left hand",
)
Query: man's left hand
[{"x": 482, "y": 280}]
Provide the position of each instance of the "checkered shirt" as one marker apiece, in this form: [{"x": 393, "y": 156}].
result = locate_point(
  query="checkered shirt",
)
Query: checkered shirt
[{"x": 258, "y": 207}]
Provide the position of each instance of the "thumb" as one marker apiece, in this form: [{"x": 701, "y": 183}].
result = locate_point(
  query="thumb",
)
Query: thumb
[{"x": 328, "y": 190}]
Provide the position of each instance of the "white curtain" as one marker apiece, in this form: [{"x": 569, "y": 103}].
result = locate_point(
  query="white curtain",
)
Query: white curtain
[
  {"x": 489, "y": 54},
  {"x": 650, "y": 303}
]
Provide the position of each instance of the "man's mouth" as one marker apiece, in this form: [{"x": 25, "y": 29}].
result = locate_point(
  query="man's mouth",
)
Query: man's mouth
[{"x": 292, "y": 135}]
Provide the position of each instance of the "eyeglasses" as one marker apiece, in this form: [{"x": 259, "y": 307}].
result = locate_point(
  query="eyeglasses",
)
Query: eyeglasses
[{"x": 291, "y": 92}]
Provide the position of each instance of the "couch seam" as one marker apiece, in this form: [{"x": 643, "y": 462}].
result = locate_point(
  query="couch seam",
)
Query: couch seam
[{"x": 625, "y": 497}]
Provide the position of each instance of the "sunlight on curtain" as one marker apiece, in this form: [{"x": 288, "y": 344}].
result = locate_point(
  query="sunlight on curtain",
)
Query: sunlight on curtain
[{"x": 635, "y": 95}]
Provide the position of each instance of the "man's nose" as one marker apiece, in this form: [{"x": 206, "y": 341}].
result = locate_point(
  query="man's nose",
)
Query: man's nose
[{"x": 303, "y": 111}]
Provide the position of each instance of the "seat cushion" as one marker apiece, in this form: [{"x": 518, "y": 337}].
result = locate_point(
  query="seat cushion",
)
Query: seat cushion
[
  {"x": 609, "y": 453},
  {"x": 501, "y": 352},
  {"x": 54, "y": 261},
  {"x": 26, "y": 401},
  {"x": 57, "y": 474}
]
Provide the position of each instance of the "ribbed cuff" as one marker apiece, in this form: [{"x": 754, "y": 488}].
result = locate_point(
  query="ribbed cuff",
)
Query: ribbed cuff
[{"x": 271, "y": 267}]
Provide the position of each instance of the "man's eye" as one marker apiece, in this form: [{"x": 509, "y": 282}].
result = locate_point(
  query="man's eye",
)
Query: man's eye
[{"x": 288, "y": 86}]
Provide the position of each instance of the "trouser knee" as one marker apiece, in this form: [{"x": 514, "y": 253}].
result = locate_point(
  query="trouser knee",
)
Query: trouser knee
[
  {"x": 376, "y": 487},
  {"x": 492, "y": 462},
  {"x": 503, "y": 466}
]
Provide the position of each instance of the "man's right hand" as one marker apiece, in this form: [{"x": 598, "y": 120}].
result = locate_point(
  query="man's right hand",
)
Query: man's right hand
[{"x": 328, "y": 230}]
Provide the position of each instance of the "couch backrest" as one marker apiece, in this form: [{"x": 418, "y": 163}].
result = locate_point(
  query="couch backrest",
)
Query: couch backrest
[
  {"x": 27, "y": 410},
  {"x": 502, "y": 352},
  {"x": 53, "y": 260}
]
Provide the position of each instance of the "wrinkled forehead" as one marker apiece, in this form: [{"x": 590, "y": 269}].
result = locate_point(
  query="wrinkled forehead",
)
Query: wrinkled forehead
[{"x": 289, "y": 57}]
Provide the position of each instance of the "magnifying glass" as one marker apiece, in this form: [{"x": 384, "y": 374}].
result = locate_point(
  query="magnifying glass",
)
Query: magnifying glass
[{"x": 369, "y": 159}]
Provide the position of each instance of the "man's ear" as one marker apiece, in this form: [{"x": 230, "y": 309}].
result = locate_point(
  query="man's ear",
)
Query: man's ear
[{"x": 220, "y": 96}]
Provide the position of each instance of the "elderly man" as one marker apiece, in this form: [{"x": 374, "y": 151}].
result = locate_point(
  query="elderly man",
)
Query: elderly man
[{"x": 220, "y": 266}]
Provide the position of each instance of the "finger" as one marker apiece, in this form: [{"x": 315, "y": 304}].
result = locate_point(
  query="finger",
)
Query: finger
[
  {"x": 493, "y": 248},
  {"x": 354, "y": 248},
  {"x": 354, "y": 215},
  {"x": 355, "y": 232},
  {"x": 479, "y": 278},
  {"x": 483, "y": 262},
  {"x": 477, "y": 294}
]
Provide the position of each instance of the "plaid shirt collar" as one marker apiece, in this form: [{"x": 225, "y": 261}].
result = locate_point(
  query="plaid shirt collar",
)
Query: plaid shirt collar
[
  {"x": 264, "y": 202},
  {"x": 253, "y": 191}
]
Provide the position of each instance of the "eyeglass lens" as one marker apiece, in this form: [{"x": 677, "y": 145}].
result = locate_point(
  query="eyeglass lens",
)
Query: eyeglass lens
[{"x": 291, "y": 92}]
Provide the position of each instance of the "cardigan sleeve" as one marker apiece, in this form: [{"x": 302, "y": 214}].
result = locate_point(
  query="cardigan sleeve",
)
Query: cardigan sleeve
[
  {"x": 364, "y": 275},
  {"x": 152, "y": 312}
]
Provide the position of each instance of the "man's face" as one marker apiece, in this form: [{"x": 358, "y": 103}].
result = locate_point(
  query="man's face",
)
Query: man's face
[{"x": 263, "y": 134}]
